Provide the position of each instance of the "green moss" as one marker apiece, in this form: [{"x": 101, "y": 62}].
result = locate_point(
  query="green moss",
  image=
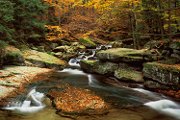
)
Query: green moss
[
  {"x": 122, "y": 54},
  {"x": 167, "y": 67},
  {"x": 87, "y": 42},
  {"x": 128, "y": 74},
  {"x": 14, "y": 54},
  {"x": 43, "y": 59},
  {"x": 90, "y": 62}
]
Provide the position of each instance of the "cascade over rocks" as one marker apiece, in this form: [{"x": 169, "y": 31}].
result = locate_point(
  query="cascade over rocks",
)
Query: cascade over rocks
[
  {"x": 141, "y": 66},
  {"x": 67, "y": 52},
  {"x": 122, "y": 63}
]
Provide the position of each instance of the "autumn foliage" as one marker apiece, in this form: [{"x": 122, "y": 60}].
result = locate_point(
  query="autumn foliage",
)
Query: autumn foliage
[{"x": 77, "y": 100}]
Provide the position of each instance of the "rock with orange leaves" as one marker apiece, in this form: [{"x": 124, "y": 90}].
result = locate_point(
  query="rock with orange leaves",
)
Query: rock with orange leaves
[{"x": 78, "y": 101}]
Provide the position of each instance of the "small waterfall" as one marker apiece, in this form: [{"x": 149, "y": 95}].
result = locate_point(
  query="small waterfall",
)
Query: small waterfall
[
  {"x": 165, "y": 106},
  {"x": 74, "y": 62},
  {"x": 73, "y": 71},
  {"x": 91, "y": 56},
  {"x": 32, "y": 103}
]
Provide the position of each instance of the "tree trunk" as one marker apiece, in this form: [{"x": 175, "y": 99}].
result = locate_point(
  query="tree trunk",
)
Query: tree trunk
[{"x": 169, "y": 20}]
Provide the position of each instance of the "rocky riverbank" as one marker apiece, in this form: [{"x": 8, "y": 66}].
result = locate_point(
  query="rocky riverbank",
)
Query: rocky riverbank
[
  {"x": 22, "y": 66},
  {"x": 14, "y": 78},
  {"x": 157, "y": 69}
]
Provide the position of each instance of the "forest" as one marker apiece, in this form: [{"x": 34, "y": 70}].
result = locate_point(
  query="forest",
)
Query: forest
[
  {"x": 23, "y": 20},
  {"x": 90, "y": 59}
]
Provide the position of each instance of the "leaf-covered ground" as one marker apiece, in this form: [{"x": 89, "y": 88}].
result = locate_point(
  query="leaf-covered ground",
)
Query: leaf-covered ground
[{"x": 76, "y": 100}]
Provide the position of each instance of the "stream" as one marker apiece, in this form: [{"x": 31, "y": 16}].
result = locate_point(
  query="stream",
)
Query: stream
[{"x": 127, "y": 103}]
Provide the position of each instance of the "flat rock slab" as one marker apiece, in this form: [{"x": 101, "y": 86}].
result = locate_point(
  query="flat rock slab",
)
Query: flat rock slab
[
  {"x": 12, "y": 78},
  {"x": 40, "y": 59},
  {"x": 125, "y": 55},
  {"x": 164, "y": 74},
  {"x": 74, "y": 100}
]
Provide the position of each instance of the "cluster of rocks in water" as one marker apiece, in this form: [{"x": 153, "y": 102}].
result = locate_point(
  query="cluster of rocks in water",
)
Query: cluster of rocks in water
[{"x": 158, "y": 68}]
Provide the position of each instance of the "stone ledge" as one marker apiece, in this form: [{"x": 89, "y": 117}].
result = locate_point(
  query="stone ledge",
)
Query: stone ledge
[
  {"x": 163, "y": 73},
  {"x": 19, "y": 76}
]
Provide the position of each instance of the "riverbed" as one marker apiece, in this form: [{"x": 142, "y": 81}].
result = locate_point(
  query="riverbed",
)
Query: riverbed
[{"x": 126, "y": 103}]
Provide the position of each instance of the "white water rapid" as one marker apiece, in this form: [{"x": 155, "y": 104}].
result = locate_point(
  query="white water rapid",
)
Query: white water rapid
[
  {"x": 31, "y": 104},
  {"x": 165, "y": 106}
]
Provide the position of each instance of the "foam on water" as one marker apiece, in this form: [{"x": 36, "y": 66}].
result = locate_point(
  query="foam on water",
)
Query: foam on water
[
  {"x": 73, "y": 71},
  {"x": 73, "y": 62},
  {"x": 165, "y": 106},
  {"x": 33, "y": 103}
]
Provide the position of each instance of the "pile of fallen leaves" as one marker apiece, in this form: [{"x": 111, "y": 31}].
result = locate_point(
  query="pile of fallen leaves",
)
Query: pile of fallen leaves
[{"x": 76, "y": 100}]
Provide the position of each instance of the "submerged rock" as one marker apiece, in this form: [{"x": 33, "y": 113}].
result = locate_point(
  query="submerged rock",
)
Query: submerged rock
[
  {"x": 78, "y": 101},
  {"x": 163, "y": 74},
  {"x": 41, "y": 59}
]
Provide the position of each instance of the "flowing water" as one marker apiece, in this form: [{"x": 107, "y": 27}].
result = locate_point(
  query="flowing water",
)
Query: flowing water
[{"x": 127, "y": 103}]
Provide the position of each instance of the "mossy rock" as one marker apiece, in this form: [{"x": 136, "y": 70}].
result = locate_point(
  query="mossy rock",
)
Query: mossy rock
[
  {"x": 165, "y": 74},
  {"x": 41, "y": 59},
  {"x": 13, "y": 56},
  {"x": 124, "y": 55},
  {"x": 87, "y": 42},
  {"x": 88, "y": 65},
  {"x": 129, "y": 75},
  {"x": 94, "y": 66}
]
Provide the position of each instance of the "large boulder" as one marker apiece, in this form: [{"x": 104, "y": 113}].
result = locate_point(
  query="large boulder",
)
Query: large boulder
[
  {"x": 66, "y": 52},
  {"x": 99, "y": 67},
  {"x": 128, "y": 74},
  {"x": 162, "y": 75},
  {"x": 126, "y": 55},
  {"x": 40, "y": 59},
  {"x": 13, "y": 56},
  {"x": 75, "y": 101}
]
